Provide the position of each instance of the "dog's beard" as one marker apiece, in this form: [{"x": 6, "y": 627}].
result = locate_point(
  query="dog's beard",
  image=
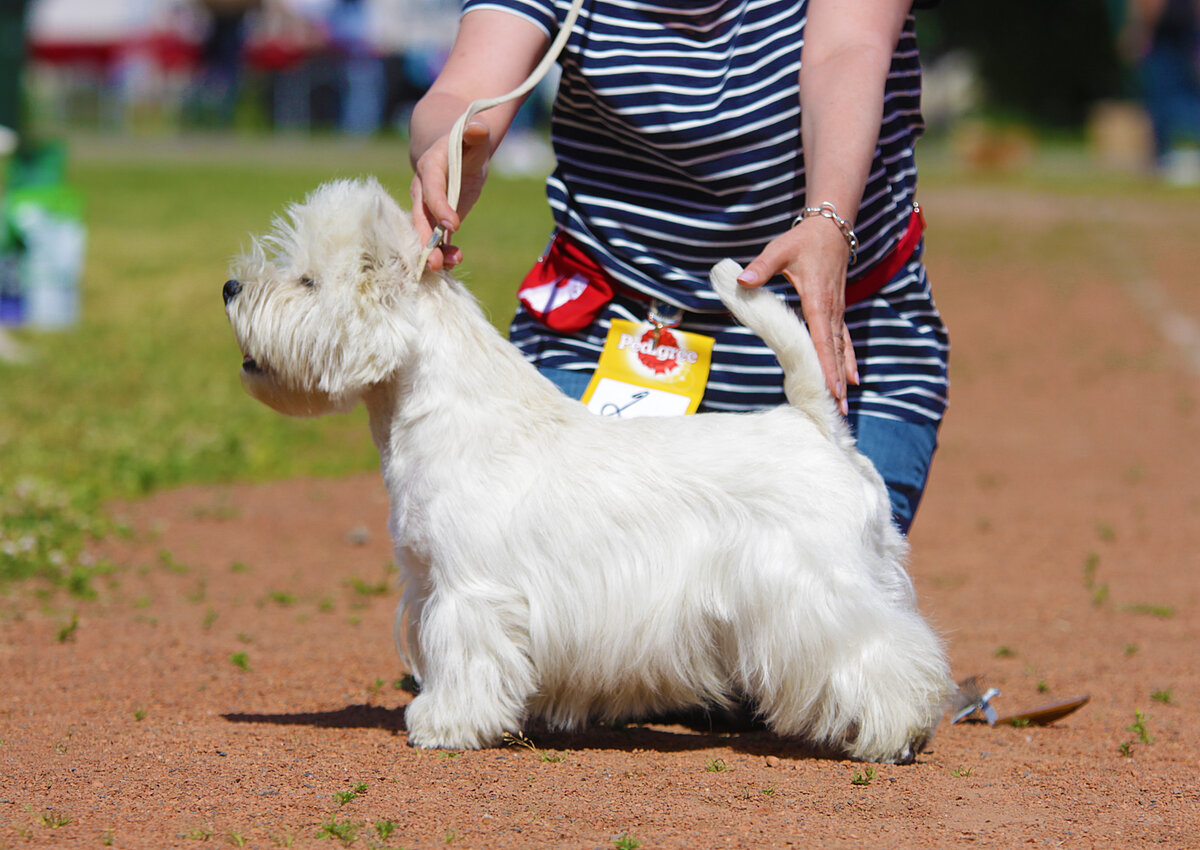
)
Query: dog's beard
[{"x": 290, "y": 402}]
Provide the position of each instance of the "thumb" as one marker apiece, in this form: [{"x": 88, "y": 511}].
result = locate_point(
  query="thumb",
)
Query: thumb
[
  {"x": 761, "y": 269},
  {"x": 476, "y": 143}
]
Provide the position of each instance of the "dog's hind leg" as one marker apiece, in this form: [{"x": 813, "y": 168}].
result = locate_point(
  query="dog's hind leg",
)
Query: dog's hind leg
[
  {"x": 842, "y": 665},
  {"x": 477, "y": 676},
  {"x": 884, "y": 689},
  {"x": 894, "y": 680}
]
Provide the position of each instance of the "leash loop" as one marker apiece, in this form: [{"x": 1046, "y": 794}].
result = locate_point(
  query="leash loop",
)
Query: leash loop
[{"x": 454, "y": 159}]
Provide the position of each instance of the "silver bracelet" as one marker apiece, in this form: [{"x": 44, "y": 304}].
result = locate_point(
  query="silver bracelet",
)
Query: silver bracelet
[{"x": 829, "y": 211}]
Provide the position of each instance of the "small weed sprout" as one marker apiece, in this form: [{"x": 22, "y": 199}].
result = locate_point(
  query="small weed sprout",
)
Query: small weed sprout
[
  {"x": 1126, "y": 749},
  {"x": 1163, "y": 612},
  {"x": 863, "y": 778},
  {"x": 139, "y": 714},
  {"x": 1043, "y": 686},
  {"x": 240, "y": 660},
  {"x": 384, "y": 829},
  {"x": 363, "y": 588},
  {"x": 167, "y": 561},
  {"x": 200, "y": 833},
  {"x": 715, "y": 765},
  {"x": 53, "y": 818},
  {"x": 451, "y": 835},
  {"x": 1020, "y": 722},
  {"x": 236, "y": 839},
  {"x": 344, "y": 797},
  {"x": 67, "y": 632},
  {"x": 626, "y": 842},
  {"x": 519, "y": 740},
  {"x": 344, "y": 831},
  {"x": 1161, "y": 696},
  {"x": 281, "y": 597},
  {"x": 1138, "y": 727},
  {"x": 962, "y": 772},
  {"x": 1005, "y": 652}
]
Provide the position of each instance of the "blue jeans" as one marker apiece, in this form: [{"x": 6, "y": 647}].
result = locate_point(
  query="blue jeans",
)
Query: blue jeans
[
  {"x": 901, "y": 451},
  {"x": 1172, "y": 90}
]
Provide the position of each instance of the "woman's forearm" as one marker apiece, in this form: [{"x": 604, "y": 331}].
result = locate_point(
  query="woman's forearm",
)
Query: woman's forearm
[{"x": 847, "y": 53}]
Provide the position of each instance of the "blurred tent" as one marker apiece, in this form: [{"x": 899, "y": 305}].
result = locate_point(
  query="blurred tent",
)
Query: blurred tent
[
  {"x": 1045, "y": 63},
  {"x": 101, "y": 61}
]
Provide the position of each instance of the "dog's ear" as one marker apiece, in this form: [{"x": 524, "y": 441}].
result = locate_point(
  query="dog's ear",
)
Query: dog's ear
[{"x": 389, "y": 237}]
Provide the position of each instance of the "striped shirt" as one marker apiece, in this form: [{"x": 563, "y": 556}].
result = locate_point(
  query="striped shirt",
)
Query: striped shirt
[{"x": 676, "y": 130}]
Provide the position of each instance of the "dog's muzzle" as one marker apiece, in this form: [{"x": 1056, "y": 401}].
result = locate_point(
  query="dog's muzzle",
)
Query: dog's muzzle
[{"x": 228, "y": 292}]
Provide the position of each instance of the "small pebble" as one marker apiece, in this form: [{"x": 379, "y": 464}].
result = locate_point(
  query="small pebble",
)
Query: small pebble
[{"x": 772, "y": 761}]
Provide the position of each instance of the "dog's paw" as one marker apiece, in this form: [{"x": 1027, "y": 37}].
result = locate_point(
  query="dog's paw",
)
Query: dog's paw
[{"x": 446, "y": 727}]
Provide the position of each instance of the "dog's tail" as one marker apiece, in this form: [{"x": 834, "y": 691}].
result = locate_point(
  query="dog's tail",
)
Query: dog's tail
[{"x": 779, "y": 327}]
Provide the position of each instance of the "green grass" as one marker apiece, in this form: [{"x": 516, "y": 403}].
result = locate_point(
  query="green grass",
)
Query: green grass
[{"x": 144, "y": 394}]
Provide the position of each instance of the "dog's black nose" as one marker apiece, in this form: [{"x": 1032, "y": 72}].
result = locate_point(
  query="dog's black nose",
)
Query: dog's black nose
[{"x": 230, "y": 290}]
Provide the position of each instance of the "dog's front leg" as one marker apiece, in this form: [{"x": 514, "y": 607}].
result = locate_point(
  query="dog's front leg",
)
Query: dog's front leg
[{"x": 477, "y": 674}]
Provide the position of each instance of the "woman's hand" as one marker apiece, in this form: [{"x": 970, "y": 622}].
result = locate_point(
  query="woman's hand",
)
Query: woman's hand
[
  {"x": 812, "y": 256},
  {"x": 431, "y": 207},
  {"x": 493, "y": 52}
]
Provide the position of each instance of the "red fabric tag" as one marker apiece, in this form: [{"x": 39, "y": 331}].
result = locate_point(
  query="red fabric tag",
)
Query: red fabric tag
[{"x": 566, "y": 290}]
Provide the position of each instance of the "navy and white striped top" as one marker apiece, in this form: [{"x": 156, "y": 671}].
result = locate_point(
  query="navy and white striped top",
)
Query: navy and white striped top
[
  {"x": 676, "y": 131},
  {"x": 677, "y": 137}
]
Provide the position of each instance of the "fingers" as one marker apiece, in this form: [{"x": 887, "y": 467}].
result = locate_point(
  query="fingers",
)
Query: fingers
[
  {"x": 445, "y": 255},
  {"x": 831, "y": 348},
  {"x": 429, "y": 190},
  {"x": 852, "y": 376},
  {"x": 816, "y": 267}
]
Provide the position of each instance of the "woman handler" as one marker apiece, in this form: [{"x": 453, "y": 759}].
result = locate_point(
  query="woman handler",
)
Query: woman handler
[{"x": 777, "y": 133}]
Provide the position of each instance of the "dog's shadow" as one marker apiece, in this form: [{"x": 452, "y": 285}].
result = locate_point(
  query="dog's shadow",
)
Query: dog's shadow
[{"x": 679, "y": 733}]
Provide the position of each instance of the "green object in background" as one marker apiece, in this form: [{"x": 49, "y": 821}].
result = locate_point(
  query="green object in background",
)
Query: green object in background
[
  {"x": 37, "y": 165},
  {"x": 41, "y": 241}
]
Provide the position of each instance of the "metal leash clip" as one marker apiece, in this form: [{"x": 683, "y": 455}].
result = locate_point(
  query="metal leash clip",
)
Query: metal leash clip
[
  {"x": 659, "y": 316},
  {"x": 971, "y": 699}
]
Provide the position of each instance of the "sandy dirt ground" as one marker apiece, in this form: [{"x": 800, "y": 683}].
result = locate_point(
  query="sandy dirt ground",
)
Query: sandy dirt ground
[{"x": 235, "y": 683}]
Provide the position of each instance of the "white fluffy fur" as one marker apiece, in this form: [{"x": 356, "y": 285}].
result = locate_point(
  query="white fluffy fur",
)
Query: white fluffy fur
[{"x": 566, "y": 566}]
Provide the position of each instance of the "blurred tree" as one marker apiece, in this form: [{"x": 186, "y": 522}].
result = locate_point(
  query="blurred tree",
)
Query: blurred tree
[{"x": 1046, "y": 61}]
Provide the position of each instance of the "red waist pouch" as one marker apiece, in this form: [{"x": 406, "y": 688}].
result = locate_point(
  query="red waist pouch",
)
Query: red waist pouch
[{"x": 566, "y": 290}]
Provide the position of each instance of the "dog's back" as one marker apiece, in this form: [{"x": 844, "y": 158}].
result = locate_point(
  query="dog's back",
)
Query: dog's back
[{"x": 780, "y": 328}]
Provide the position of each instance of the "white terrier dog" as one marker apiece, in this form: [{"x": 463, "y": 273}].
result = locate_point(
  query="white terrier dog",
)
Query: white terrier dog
[{"x": 566, "y": 566}]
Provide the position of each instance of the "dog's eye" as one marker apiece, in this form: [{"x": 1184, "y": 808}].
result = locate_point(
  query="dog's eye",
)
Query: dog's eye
[{"x": 307, "y": 281}]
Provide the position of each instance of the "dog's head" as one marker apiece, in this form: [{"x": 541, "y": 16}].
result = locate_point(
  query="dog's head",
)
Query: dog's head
[{"x": 317, "y": 304}]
